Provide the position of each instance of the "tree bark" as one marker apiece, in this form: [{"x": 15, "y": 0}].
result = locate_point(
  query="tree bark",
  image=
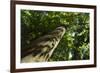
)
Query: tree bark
[{"x": 43, "y": 47}]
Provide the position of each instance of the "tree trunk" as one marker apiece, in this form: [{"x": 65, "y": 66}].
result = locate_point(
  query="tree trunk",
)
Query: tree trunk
[{"x": 43, "y": 47}]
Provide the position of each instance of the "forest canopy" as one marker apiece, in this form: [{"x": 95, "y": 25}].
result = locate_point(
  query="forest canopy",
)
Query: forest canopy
[{"x": 75, "y": 43}]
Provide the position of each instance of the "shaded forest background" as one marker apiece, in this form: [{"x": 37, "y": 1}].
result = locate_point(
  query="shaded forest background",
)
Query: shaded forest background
[{"x": 75, "y": 43}]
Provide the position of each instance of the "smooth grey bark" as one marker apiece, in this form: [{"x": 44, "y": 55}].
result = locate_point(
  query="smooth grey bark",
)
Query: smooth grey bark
[{"x": 44, "y": 46}]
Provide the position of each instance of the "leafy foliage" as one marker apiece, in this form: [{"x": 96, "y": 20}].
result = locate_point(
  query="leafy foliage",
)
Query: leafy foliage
[{"x": 74, "y": 44}]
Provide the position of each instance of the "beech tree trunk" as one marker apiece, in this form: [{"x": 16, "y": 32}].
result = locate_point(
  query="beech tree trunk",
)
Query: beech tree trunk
[{"x": 43, "y": 47}]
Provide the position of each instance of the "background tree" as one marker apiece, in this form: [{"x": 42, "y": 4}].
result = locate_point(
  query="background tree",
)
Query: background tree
[{"x": 74, "y": 44}]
